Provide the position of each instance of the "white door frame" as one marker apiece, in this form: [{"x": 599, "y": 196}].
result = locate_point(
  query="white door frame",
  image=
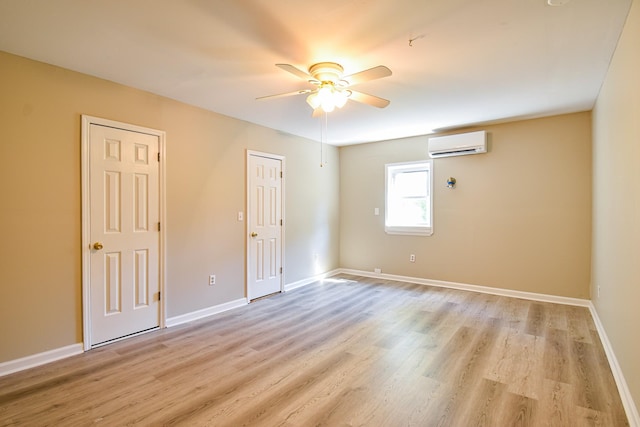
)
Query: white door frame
[
  {"x": 87, "y": 121},
  {"x": 248, "y": 218}
]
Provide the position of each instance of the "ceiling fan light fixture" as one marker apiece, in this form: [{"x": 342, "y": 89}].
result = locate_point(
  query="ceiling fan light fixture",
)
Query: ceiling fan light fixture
[
  {"x": 328, "y": 106},
  {"x": 326, "y": 96},
  {"x": 313, "y": 100},
  {"x": 340, "y": 97},
  {"x": 325, "y": 91}
]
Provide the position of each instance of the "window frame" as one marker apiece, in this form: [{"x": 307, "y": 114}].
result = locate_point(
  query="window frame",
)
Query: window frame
[{"x": 390, "y": 170}]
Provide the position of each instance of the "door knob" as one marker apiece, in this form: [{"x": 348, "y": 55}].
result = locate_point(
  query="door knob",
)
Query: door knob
[
  {"x": 254, "y": 234},
  {"x": 97, "y": 246}
]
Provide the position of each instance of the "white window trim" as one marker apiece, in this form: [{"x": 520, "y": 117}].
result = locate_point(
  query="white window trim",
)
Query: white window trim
[{"x": 408, "y": 230}]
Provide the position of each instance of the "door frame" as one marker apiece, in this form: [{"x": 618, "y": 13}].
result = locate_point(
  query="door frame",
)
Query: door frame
[
  {"x": 248, "y": 216},
  {"x": 87, "y": 121}
]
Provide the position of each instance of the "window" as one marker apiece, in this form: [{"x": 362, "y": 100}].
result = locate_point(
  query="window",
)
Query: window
[{"x": 408, "y": 198}]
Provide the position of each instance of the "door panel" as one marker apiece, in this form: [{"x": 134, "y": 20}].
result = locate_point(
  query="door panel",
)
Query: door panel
[
  {"x": 112, "y": 283},
  {"x": 124, "y": 203},
  {"x": 141, "y": 278},
  {"x": 265, "y": 226}
]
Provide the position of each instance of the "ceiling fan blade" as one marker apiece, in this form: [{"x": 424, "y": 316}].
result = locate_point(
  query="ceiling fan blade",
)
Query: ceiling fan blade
[
  {"x": 296, "y": 71},
  {"x": 282, "y": 95},
  {"x": 371, "y": 74},
  {"x": 372, "y": 100}
]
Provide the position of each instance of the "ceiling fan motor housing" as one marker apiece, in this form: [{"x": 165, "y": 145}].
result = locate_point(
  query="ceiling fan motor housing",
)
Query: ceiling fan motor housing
[{"x": 326, "y": 72}]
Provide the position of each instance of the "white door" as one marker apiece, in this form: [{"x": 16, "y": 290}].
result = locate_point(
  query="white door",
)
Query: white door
[
  {"x": 265, "y": 225},
  {"x": 124, "y": 232}
]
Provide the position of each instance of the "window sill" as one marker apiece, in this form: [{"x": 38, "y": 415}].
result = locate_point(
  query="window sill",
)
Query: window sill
[{"x": 409, "y": 231}]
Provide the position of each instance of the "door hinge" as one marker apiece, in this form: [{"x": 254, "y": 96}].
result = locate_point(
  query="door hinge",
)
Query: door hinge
[
  {"x": 158, "y": 226},
  {"x": 158, "y": 295},
  {"x": 280, "y": 270},
  {"x": 280, "y": 174},
  {"x": 281, "y": 222},
  {"x": 158, "y": 156}
]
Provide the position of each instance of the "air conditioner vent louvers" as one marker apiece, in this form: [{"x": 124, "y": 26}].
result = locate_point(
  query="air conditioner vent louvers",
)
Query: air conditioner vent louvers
[{"x": 458, "y": 145}]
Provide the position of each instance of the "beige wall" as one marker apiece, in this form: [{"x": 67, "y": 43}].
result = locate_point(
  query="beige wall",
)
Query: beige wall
[
  {"x": 40, "y": 230},
  {"x": 616, "y": 207},
  {"x": 519, "y": 217}
]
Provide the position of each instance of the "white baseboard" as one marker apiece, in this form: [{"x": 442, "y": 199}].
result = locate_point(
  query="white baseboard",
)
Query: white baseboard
[
  {"x": 205, "y": 312},
  {"x": 34, "y": 360},
  {"x": 625, "y": 394},
  {"x": 309, "y": 280},
  {"x": 474, "y": 288},
  {"x": 38, "y": 359},
  {"x": 210, "y": 311}
]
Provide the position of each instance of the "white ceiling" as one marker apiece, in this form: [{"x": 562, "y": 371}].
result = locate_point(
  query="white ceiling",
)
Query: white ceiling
[{"x": 471, "y": 61}]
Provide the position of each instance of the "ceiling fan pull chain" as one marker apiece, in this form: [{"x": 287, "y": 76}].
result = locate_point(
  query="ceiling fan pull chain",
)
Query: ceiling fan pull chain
[{"x": 323, "y": 125}]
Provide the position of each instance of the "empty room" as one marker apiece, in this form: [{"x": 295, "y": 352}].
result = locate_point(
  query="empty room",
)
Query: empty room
[{"x": 287, "y": 213}]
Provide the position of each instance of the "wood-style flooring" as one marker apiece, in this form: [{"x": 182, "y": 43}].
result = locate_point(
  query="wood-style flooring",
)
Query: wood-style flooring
[{"x": 346, "y": 351}]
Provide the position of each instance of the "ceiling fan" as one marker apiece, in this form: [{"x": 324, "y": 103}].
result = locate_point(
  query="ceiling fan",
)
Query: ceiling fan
[{"x": 332, "y": 89}]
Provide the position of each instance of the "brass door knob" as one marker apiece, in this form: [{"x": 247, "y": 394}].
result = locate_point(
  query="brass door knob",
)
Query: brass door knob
[
  {"x": 254, "y": 234},
  {"x": 97, "y": 246}
]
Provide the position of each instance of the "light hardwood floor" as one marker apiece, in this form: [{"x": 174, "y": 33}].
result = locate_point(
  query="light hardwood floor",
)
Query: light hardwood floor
[{"x": 346, "y": 351}]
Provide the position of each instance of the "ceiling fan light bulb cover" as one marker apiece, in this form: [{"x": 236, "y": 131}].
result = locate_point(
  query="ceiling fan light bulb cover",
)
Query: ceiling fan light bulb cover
[
  {"x": 325, "y": 92},
  {"x": 328, "y": 105},
  {"x": 313, "y": 100},
  {"x": 340, "y": 98},
  {"x": 326, "y": 98}
]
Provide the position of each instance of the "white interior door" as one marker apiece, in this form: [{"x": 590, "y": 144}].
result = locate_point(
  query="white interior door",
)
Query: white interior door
[
  {"x": 124, "y": 232},
  {"x": 265, "y": 225}
]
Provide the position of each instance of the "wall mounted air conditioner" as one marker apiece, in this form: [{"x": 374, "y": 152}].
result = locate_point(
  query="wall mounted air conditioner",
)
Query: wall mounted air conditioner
[{"x": 458, "y": 145}]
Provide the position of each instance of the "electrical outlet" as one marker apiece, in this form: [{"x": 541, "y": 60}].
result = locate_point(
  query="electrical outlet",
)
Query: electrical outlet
[
  {"x": 377, "y": 270},
  {"x": 212, "y": 280},
  {"x": 598, "y": 291},
  {"x": 412, "y": 258}
]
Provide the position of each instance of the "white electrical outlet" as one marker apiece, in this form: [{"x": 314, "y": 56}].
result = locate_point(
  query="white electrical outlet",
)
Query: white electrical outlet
[
  {"x": 412, "y": 258},
  {"x": 212, "y": 280},
  {"x": 598, "y": 291},
  {"x": 377, "y": 270}
]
